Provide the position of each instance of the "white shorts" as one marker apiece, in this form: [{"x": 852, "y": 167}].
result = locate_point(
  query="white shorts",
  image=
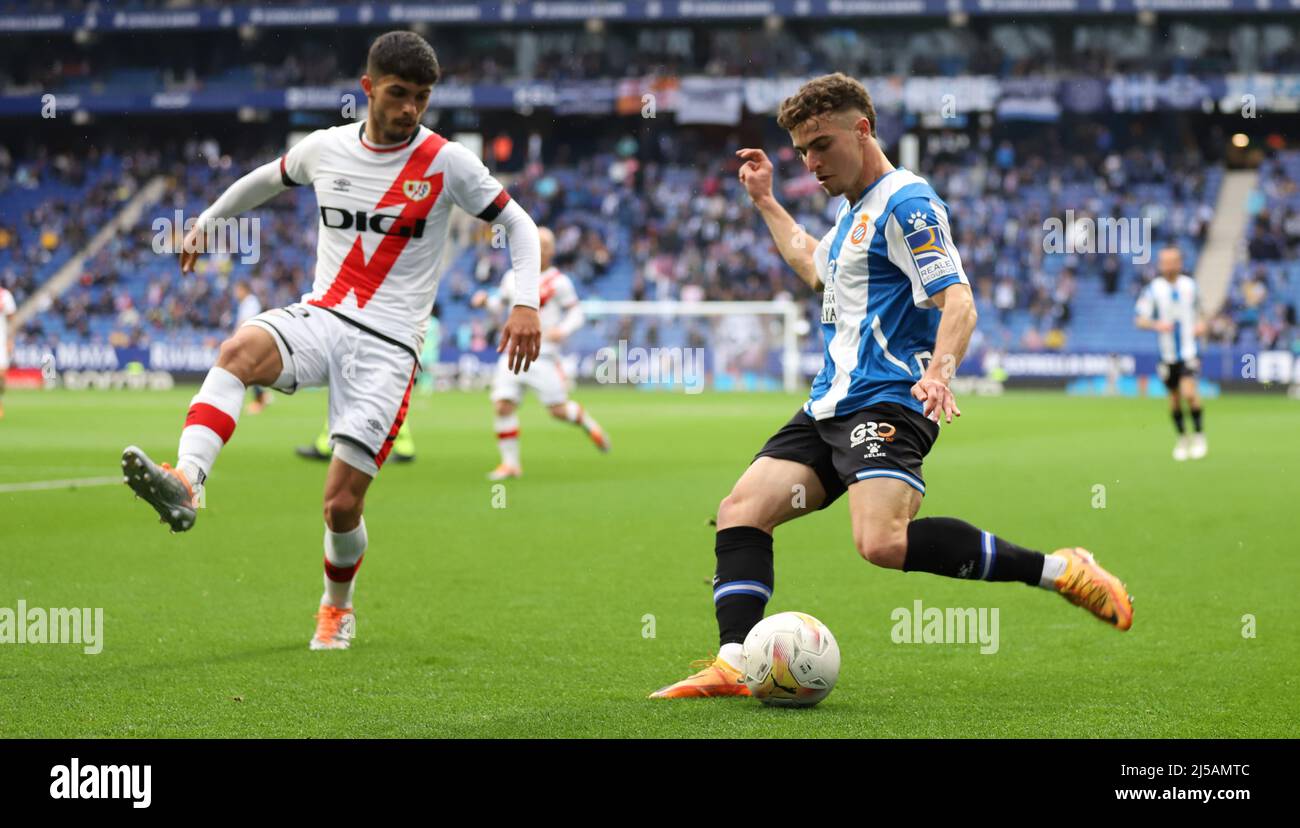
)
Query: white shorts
[
  {"x": 369, "y": 377},
  {"x": 545, "y": 377}
]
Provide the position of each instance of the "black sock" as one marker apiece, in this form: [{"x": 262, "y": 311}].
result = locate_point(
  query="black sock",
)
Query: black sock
[
  {"x": 955, "y": 549},
  {"x": 1196, "y": 419},
  {"x": 1178, "y": 421},
  {"x": 743, "y": 582}
]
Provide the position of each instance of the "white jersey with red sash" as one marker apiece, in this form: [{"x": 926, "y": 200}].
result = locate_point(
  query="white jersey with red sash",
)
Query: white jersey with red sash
[{"x": 384, "y": 216}]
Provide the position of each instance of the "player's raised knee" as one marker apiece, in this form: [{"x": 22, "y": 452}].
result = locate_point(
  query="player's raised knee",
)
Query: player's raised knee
[
  {"x": 886, "y": 551},
  {"x": 739, "y": 509},
  {"x": 239, "y": 357},
  {"x": 233, "y": 352},
  {"x": 730, "y": 510},
  {"x": 342, "y": 512}
]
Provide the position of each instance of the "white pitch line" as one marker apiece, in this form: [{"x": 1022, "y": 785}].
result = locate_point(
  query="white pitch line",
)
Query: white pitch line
[{"x": 40, "y": 485}]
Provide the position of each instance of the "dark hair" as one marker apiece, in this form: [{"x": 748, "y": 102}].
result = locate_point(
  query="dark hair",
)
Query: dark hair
[
  {"x": 404, "y": 54},
  {"x": 825, "y": 95}
]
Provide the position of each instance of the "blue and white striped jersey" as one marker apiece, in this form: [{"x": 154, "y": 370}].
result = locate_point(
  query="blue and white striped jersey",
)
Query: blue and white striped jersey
[
  {"x": 890, "y": 250},
  {"x": 1177, "y": 302}
]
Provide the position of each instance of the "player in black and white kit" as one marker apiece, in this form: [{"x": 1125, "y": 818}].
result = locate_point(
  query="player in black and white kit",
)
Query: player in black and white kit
[
  {"x": 385, "y": 190},
  {"x": 1169, "y": 305}
]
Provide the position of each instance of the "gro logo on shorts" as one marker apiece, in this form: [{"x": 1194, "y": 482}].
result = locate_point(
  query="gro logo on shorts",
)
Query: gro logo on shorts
[{"x": 864, "y": 432}]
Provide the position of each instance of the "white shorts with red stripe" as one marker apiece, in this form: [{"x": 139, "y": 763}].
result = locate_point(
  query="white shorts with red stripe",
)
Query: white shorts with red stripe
[
  {"x": 369, "y": 377},
  {"x": 545, "y": 376}
]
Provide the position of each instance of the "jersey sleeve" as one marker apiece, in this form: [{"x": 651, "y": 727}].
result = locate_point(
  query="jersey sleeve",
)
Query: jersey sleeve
[
  {"x": 920, "y": 244},
  {"x": 7, "y": 306},
  {"x": 507, "y": 288},
  {"x": 471, "y": 187},
  {"x": 298, "y": 165}
]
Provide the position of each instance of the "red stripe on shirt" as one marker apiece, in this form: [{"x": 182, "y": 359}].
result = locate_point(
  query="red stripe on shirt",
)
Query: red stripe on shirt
[{"x": 364, "y": 277}]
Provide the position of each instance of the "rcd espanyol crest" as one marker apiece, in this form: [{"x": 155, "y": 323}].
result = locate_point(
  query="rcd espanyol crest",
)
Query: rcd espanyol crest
[{"x": 416, "y": 189}]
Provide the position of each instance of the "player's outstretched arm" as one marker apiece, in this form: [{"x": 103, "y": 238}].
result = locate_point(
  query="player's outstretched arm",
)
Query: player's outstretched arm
[
  {"x": 253, "y": 190},
  {"x": 794, "y": 243},
  {"x": 956, "y": 325},
  {"x": 521, "y": 337},
  {"x": 1161, "y": 325},
  {"x": 1146, "y": 310}
]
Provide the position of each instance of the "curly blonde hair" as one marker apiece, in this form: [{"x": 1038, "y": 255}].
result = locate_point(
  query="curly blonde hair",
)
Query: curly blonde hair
[{"x": 825, "y": 95}]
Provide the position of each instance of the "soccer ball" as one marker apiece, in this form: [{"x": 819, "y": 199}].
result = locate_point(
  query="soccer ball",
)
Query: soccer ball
[{"x": 790, "y": 660}]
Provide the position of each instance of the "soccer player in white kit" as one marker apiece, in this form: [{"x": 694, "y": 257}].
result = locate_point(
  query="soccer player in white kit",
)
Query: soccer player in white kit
[
  {"x": 561, "y": 315},
  {"x": 1169, "y": 306},
  {"x": 7, "y": 310},
  {"x": 385, "y": 191}
]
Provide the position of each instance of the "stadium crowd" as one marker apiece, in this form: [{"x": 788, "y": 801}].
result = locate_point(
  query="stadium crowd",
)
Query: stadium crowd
[
  {"x": 668, "y": 221},
  {"x": 492, "y": 55}
]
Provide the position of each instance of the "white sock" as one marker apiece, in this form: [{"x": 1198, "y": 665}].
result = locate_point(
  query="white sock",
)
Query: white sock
[
  {"x": 732, "y": 654},
  {"x": 1053, "y": 568},
  {"x": 508, "y": 439},
  {"x": 575, "y": 413},
  {"x": 211, "y": 419},
  {"x": 343, "y": 554}
]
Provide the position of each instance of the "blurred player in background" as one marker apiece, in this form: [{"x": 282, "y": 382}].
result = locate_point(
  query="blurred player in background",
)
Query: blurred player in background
[
  {"x": 359, "y": 331},
  {"x": 894, "y": 293},
  {"x": 7, "y": 310},
  {"x": 322, "y": 447},
  {"x": 561, "y": 315},
  {"x": 429, "y": 356},
  {"x": 1170, "y": 306},
  {"x": 250, "y": 306}
]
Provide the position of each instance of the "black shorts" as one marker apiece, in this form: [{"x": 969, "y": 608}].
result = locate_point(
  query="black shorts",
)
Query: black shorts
[
  {"x": 882, "y": 440},
  {"x": 1171, "y": 372}
]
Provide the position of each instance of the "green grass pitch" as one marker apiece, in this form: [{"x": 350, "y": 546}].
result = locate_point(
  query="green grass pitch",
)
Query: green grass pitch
[{"x": 527, "y": 621}]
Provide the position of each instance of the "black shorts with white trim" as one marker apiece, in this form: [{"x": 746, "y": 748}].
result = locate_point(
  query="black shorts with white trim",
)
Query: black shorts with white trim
[{"x": 881, "y": 440}]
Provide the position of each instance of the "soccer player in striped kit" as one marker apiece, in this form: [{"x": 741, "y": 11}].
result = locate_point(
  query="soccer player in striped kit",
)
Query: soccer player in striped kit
[
  {"x": 897, "y": 315},
  {"x": 1169, "y": 305},
  {"x": 385, "y": 190}
]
